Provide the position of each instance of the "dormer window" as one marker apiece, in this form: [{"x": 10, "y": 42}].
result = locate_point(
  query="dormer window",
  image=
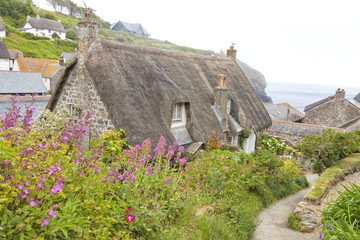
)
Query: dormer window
[
  {"x": 178, "y": 115},
  {"x": 228, "y": 106},
  {"x": 233, "y": 140}
]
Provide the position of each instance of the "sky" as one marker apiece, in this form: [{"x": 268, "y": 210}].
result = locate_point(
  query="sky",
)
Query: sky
[{"x": 307, "y": 41}]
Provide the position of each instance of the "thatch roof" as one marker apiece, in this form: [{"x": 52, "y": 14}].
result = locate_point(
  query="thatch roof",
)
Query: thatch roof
[
  {"x": 139, "y": 86},
  {"x": 15, "y": 54},
  {"x": 43, "y": 23},
  {"x": 4, "y": 53}
]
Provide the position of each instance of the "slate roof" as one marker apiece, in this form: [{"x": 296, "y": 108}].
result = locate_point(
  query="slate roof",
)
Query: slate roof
[
  {"x": 2, "y": 26},
  {"x": 131, "y": 27},
  {"x": 139, "y": 86},
  {"x": 34, "y": 64},
  {"x": 49, "y": 70},
  {"x": 318, "y": 103},
  {"x": 4, "y": 53},
  {"x": 67, "y": 56},
  {"x": 15, "y": 54},
  {"x": 20, "y": 82},
  {"x": 43, "y": 23},
  {"x": 357, "y": 97},
  {"x": 283, "y": 111}
]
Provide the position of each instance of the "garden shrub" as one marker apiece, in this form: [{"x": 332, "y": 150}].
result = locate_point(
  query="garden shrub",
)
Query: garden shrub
[
  {"x": 326, "y": 149},
  {"x": 273, "y": 145},
  {"x": 71, "y": 35}
]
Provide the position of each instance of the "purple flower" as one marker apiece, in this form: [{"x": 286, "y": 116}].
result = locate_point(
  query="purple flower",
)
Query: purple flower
[
  {"x": 32, "y": 204},
  {"x": 20, "y": 187},
  {"x": 44, "y": 223},
  {"x": 149, "y": 170},
  {"x": 26, "y": 191},
  {"x": 39, "y": 185},
  {"x": 182, "y": 162},
  {"x": 168, "y": 181},
  {"x": 42, "y": 180},
  {"x": 52, "y": 213}
]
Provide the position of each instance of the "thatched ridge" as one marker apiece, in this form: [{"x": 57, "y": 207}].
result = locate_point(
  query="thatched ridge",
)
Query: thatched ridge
[{"x": 140, "y": 85}]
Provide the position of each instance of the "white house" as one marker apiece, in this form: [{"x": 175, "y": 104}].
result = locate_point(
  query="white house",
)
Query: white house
[
  {"x": 2, "y": 29},
  {"x": 44, "y": 27},
  {"x": 4, "y": 57}
]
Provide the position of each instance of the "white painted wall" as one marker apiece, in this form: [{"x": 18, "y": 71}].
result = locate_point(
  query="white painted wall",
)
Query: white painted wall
[
  {"x": 2, "y": 34},
  {"x": 47, "y": 83},
  {"x": 249, "y": 143},
  {"x": 4, "y": 64},
  {"x": 43, "y": 32}
]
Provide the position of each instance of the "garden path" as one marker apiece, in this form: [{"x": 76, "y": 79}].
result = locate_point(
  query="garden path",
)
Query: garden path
[{"x": 273, "y": 219}]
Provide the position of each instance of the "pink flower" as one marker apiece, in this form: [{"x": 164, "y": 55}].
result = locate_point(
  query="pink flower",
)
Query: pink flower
[
  {"x": 52, "y": 213},
  {"x": 32, "y": 204},
  {"x": 168, "y": 181},
  {"x": 128, "y": 210},
  {"x": 42, "y": 180},
  {"x": 44, "y": 223},
  {"x": 130, "y": 218},
  {"x": 182, "y": 162}
]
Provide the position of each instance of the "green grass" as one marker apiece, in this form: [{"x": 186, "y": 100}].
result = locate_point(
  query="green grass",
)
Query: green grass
[{"x": 330, "y": 176}]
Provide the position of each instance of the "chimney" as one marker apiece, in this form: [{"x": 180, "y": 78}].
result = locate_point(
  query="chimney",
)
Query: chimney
[
  {"x": 61, "y": 61},
  {"x": 232, "y": 52},
  {"x": 340, "y": 94},
  {"x": 221, "y": 96},
  {"x": 88, "y": 34}
]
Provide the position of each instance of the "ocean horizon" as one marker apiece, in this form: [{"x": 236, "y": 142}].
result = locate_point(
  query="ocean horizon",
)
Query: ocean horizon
[{"x": 299, "y": 95}]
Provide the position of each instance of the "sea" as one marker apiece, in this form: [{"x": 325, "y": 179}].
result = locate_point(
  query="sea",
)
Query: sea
[{"x": 299, "y": 95}]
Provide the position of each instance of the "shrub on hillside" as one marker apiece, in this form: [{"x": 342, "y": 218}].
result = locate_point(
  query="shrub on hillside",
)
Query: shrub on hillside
[
  {"x": 71, "y": 35},
  {"x": 326, "y": 149}
]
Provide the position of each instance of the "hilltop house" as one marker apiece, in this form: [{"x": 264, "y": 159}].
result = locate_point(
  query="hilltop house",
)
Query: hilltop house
[
  {"x": 151, "y": 92},
  {"x": 2, "y": 29},
  {"x": 44, "y": 27},
  {"x": 332, "y": 111},
  {"x": 132, "y": 28},
  {"x": 4, "y": 57}
]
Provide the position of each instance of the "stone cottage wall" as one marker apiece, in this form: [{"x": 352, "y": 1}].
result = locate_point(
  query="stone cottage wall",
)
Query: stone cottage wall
[
  {"x": 80, "y": 90},
  {"x": 332, "y": 113}
]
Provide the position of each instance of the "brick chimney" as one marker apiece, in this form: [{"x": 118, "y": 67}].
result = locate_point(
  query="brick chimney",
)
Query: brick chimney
[
  {"x": 232, "y": 52},
  {"x": 340, "y": 93},
  {"x": 88, "y": 34},
  {"x": 221, "y": 96},
  {"x": 61, "y": 61}
]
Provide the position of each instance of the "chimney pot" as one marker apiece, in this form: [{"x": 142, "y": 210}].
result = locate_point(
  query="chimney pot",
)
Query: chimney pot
[
  {"x": 340, "y": 93},
  {"x": 61, "y": 61},
  {"x": 222, "y": 80},
  {"x": 232, "y": 52}
]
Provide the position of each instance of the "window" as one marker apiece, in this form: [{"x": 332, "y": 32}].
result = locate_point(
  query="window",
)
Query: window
[
  {"x": 177, "y": 112},
  {"x": 49, "y": 31},
  {"x": 178, "y": 115},
  {"x": 233, "y": 140},
  {"x": 74, "y": 111},
  {"x": 228, "y": 106}
]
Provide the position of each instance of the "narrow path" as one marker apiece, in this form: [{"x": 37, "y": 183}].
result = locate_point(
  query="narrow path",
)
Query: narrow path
[{"x": 273, "y": 219}]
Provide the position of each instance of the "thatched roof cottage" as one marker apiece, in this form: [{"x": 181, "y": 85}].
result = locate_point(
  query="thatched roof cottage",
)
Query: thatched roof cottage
[{"x": 151, "y": 92}]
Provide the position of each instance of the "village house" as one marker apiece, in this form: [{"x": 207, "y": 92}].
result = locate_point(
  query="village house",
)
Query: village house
[
  {"x": 22, "y": 83},
  {"x": 15, "y": 55},
  {"x": 2, "y": 29},
  {"x": 44, "y": 27},
  {"x": 51, "y": 73},
  {"x": 132, "y": 28},
  {"x": 151, "y": 92},
  {"x": 67, "y": 57},
  {"x": 4, "y": 57},
  {"x": 284, "y": 112},
  {"x": 357, "y": 99},
  {"x": 332, "y": 111}
]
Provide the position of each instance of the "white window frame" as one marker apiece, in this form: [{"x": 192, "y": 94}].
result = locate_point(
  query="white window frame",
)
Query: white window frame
[
  {"x": 178, "y": 115},
  {"x": 228, "y": 106},
  {"x": 74, "y": 111},
  {"x": 233, "y": 140}
]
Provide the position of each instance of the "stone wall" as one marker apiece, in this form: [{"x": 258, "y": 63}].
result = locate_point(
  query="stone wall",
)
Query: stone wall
[
  {"x": 332, "y": 113},
  {"x": 80, "y": 90}
]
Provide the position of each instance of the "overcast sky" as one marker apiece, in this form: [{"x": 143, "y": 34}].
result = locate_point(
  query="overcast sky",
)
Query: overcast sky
[{"x": 312, "y": 41}]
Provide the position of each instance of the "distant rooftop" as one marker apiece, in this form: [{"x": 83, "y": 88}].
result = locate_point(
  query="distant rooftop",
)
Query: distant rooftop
[{"x": 20, "y": 82}]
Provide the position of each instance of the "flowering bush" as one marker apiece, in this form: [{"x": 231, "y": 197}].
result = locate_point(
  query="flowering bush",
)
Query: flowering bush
[
  {"x": 273, "y": 145},
  {"x": 214, "y": 142}
]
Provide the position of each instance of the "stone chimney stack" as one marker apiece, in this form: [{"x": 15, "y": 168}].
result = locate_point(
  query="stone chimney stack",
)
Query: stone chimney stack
[
  {"x": 232, "y": 52},
  {"x": 61, "y": 61},
  {"x": 340, "y": 94},
  {"x": 221, "y": 96},
  {"x": 88, "y": 34}
]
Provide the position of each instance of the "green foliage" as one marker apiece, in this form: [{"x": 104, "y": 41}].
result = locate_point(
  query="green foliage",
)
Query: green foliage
[
  {"x": 48, "y": 15},
  {"x": 341, "y": 220},
  {"x": 71, "y": 35},
  {"x": 327, "y": 149},
  {"x": 47, "y": 49},
  {"x": 273, "y": 145},
  {"x": 16, "y": 12},
  {"x": 293, "y": 223}
]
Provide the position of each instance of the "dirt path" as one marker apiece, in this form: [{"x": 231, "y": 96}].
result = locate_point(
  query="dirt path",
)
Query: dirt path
[{"x": 273, "y": 219}]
